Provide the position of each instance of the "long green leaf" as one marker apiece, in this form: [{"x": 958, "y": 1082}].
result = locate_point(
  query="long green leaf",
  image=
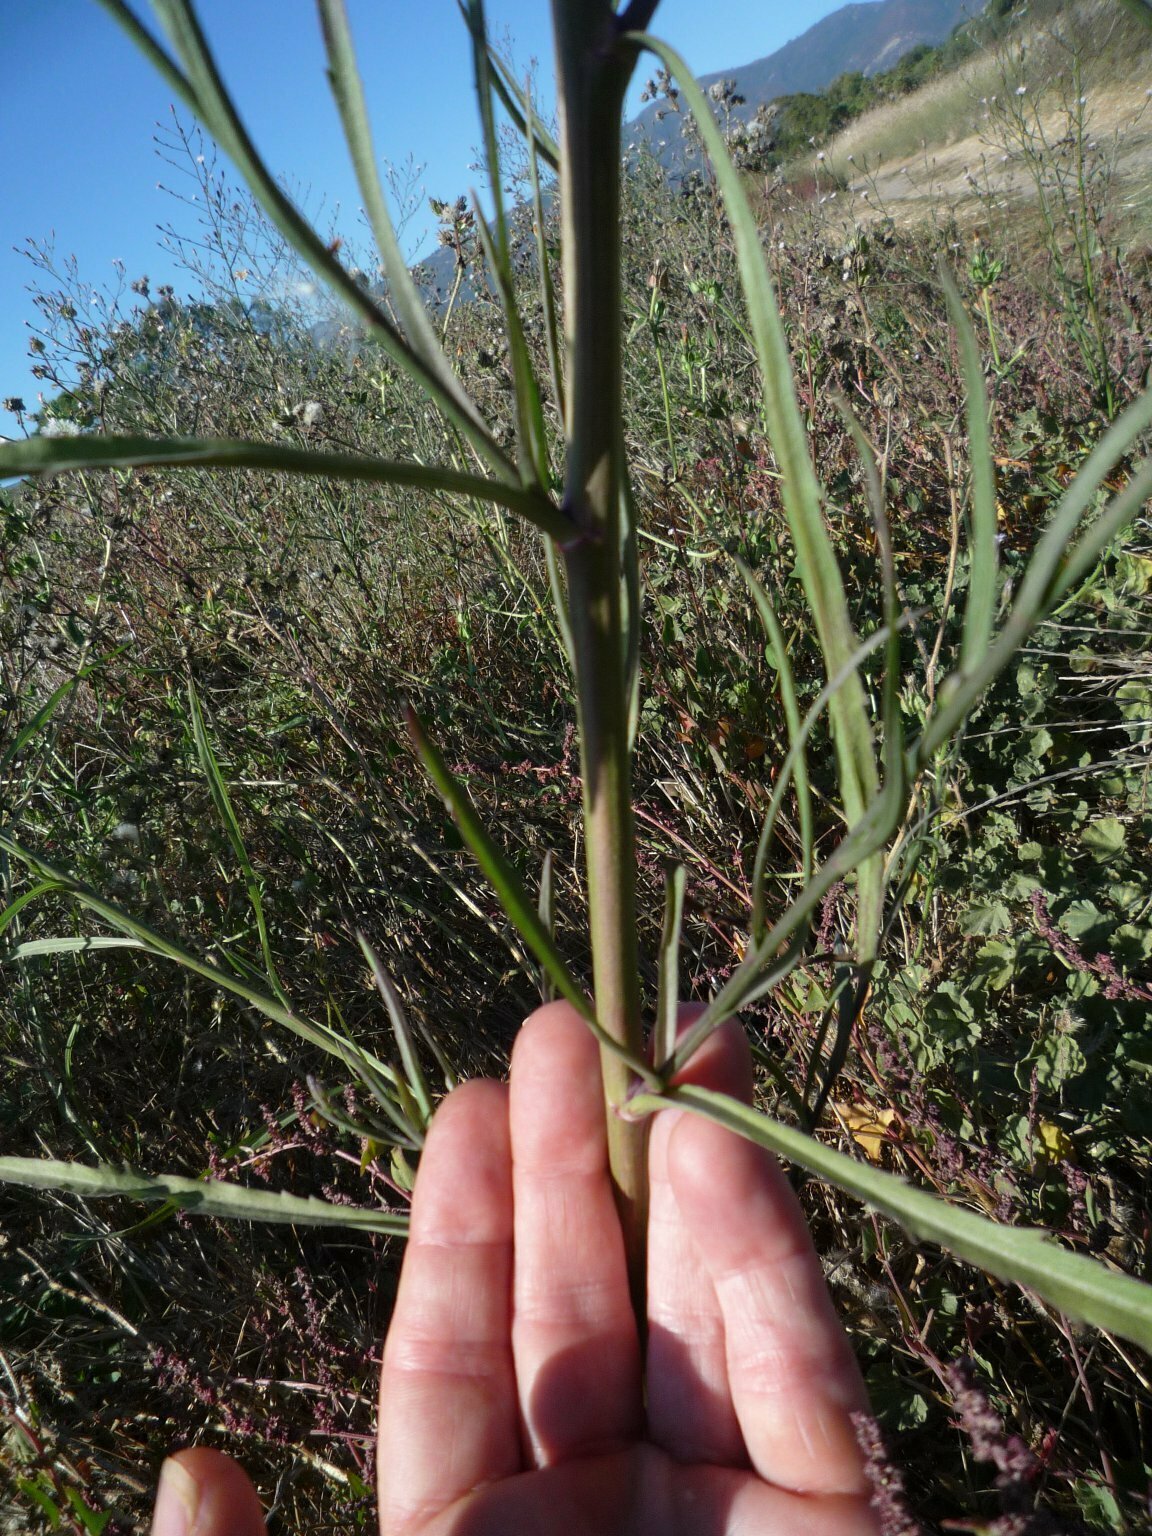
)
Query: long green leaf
[
  {"x": 42, "y": 716},
  {"x": 794, "y": 755},
  {"x": 518, "y": 106},
  {"x": 668, "y": 968},
  {"x": 791, "y": 705},
  {"x": 531, "y": 434},
  {"x": 1079, "y": 1286},
  {"x": 544, "y": 271},
  {"x": 764, "y": 966},
  {"x": 546, "y": 910},
  {"x": 348, "y": 91},
  {"x": 800, "y": 489},
  {"x": 980, "y": 609},
  {"x": 1052, "y": 570},
  {"x": 159, "y": 945},
  {"x": 13, "y": 909},
  {"x": 202, "y": 87},
  {"x": 203, "y": 1197},
  {"x": 518, "y": 905},
  {"x": 414, "y": 1082},
  {"x": 68, "y": 946},
  {"x": 49, "y": 455},
  {"x": 222, "y": 801}
]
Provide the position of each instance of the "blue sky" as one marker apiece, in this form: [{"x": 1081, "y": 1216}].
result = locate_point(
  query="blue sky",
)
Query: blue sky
[{"x": 79, "y": 111}]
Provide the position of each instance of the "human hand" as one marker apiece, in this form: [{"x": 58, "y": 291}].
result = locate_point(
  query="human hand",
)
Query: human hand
[{"x": 512, "y": 1398}]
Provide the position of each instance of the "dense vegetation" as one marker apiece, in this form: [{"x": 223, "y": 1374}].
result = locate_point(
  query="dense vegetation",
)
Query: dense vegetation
[{"x": 1003, "y": 1057}]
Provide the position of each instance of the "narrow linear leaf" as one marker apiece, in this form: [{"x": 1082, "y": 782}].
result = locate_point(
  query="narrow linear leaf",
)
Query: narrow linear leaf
[
  {"x": 546, "y": 908},
  {"x": 18, "y": 903},
  {"x": 795, "y": 753},
  {"x": 531, "y": 434},
  {"x": 49, "y": 455},
  {"x": 980, "y": 609},
  {"x": 873, "y": 876},
  {"x": 68, "y": 946},
  {"x": 788, "y": 699},
  {"x": 413, "y": 1072},
  {"x": 222, "y": 801},
  {"x": 764, "y": 966},
  {"x": 328, "y": 1040},
  {"x": 203, "y": 1197},
  {"x": 1079, "y": 1286},
  {"x": 202, "y": 87},
  {"x": 348, "y": 91},
  {"x": 42, "y": 716},
  {"x": 515, "y": 900},
  {"x": 1053, "y": 569},
  {"x": 518, "y": 105},
  {"x": 544, "y": 270},
  {"x": 668, "y": 968},
  {"x": 800, "y": 489}
]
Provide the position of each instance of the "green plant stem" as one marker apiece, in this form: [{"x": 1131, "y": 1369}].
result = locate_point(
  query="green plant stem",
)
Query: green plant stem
[{"x": 592, "y": 74}]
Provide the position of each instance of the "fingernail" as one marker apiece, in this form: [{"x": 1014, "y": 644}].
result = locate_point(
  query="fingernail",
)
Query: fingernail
[{"x": 177, "y": 1502}]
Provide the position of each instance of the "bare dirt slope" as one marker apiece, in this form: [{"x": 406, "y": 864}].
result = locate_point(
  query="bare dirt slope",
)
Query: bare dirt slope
[{"x": 988, "y": 173}]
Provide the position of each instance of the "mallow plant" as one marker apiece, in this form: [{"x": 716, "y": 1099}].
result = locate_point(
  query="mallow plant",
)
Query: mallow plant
[{"x": 566, "y": 475}]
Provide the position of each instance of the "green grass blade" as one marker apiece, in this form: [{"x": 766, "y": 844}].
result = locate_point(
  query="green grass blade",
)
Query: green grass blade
[
  {"x": 631, "y": 604},
  {"x": 414, "y": 1078},
  {"x": 49, "y": 455},
  {"x": 517, "y": 904},
  {"x": 210, "y": 100},
  {"x": 544, "y": 270},
  {"x": 476, "y": 22},
  {"x": 68, "y": 946},
  {"x": 980, "y": 609},
  {"x": 763, "y": 967},
  {"x": 546, "y": 909},
  {"x": 202, "y": 1197},
  {"x": 160, "y": 61},
  {"x": 531, "y": 434},
  {"x": 668, "y": 968},
  {"x": 13, "y": 909},
  {"x": 1081, "y": 1287},
  {"x": 796, "y": 751},
  {"x": 42, "y": 716},
  {"x": 159, "y": 945},
  {"x": 796, "y": 745},
  {"x": 518, "y": 105},
  {"x": 873, "y": 875},
  {"x": 222, "y": 801},
  {"x": 348, "y": 91},
  {"x": 801, "y": 492},
  {"x": 1052, "y": 570}
]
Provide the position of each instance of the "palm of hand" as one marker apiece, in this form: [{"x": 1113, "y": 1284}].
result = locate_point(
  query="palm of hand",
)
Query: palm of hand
[{"x": 511, "y": 1395}]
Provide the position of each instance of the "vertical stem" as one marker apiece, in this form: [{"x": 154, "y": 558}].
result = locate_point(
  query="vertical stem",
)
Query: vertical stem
[{"x": 592, "y": 74}]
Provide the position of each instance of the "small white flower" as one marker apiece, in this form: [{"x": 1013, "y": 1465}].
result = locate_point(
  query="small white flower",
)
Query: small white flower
[
  {"x": 312, "y": 413},
  {"x": 126, "y": 832},
  {"x": 1021, "y": 90},
  {"x": 60, "y": 427},
  {"x": 820, "y": 156}
]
